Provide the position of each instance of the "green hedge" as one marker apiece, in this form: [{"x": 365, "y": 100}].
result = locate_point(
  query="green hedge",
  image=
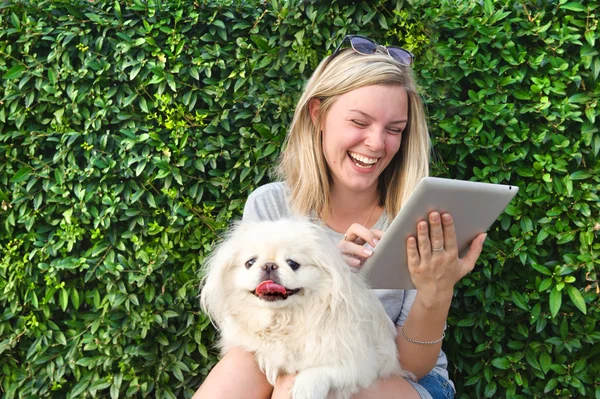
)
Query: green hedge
[{"x": 132, "y": 131}]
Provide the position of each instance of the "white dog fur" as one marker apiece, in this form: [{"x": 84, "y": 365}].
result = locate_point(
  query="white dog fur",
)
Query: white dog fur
[{"x": 333, "y": 332}]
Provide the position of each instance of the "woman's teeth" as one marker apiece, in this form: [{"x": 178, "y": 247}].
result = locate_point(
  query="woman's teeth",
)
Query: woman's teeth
[{"x": 362, "y": 161}]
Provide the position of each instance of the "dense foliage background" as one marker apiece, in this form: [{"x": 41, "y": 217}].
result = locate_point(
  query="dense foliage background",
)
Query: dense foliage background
[{"x": 131, "y": 132}]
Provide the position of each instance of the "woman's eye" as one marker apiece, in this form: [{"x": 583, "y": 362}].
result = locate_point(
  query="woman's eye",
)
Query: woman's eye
[
  {"x": 359, "y": 123},
  {"x": 396, "y": 131},
  {"x": 250, "y": 262}
]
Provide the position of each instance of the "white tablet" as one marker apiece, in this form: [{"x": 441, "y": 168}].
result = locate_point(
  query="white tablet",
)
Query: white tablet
[{"x": 474, "y": 208}]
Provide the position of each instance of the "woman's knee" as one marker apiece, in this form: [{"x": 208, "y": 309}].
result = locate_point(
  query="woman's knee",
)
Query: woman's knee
[
  {"x": 283, "y": 386},
  {"x": 389, "y": 388},
  {"x": 236, "y": 375}
]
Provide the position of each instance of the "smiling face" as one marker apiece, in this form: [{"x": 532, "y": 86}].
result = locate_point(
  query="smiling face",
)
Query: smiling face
[
  {"x": 276, "y": 264},
  {"x": 362, "y": 132}
]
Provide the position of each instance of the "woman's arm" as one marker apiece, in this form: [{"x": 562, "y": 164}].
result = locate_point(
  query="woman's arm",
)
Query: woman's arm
[
  {"x": 424, "y": 323},
  {"x": 435, "y": 268}
]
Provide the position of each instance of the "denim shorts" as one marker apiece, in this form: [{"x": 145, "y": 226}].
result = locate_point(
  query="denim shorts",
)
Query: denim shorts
[{"x": 433, "y": 386}]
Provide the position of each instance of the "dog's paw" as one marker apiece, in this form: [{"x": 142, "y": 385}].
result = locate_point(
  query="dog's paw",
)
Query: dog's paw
[{"x": 310, "y": 384}]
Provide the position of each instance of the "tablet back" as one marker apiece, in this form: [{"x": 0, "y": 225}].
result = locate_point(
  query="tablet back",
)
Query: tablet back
[{"x": 474, "y": 207}]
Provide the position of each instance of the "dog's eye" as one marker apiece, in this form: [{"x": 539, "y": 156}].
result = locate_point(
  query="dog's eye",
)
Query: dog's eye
[
  {"x": 293, "y": 264},
  {"x": 250, "y": 262}
]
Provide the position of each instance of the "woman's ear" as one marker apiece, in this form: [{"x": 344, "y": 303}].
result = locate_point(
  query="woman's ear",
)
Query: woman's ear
[{"x": 314, "y": 106}]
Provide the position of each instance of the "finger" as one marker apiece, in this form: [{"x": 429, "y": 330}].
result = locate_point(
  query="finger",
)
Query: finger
[
  {"x": 352, "y": 262},
  {"x": 449, "y": 233},
  {"x": 412, "y": 253},
  {"x": 378, "y": 234},
  {"x": 358, "y": 251},
  {"x": 423, "y": 242},
  {"x": 468, "y": 262},
  {"x": 436, "y": 234},
  {"x": 358, "y": 241},
  {"x": 360, "y": 235}
]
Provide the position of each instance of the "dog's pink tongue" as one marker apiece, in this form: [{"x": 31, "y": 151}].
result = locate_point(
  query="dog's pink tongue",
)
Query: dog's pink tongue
[{"x": 269, "y": 287}]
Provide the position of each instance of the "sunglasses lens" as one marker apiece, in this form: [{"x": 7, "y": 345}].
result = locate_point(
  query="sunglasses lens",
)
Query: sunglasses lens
[
  {"x": 401, "y": 55},
  {"x": 363, "y": 46}
]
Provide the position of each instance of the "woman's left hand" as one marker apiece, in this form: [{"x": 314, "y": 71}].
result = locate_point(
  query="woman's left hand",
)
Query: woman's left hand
[{"x": 433, "y": 259}]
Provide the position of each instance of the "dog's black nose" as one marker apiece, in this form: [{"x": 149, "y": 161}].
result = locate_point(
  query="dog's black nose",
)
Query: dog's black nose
[{"x": 269, "y": 267}]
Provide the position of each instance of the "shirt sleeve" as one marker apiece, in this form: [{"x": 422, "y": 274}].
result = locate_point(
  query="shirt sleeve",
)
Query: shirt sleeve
[
  {"x": 407, "y": 302},
  {"x": 267, "y": 202}
]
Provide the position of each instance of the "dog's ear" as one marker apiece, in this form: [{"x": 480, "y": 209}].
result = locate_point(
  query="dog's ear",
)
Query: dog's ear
[
  {"x": 330, "y": 260},
  {"x": 222, "y": 258}
]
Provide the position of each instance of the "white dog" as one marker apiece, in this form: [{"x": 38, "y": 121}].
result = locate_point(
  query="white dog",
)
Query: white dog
[{"x": 282, "y": 291}]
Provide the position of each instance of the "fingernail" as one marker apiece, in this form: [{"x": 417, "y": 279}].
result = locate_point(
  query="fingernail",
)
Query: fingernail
[
  {"x": 483, "y": 239},
  {"x": 355, "y": 262},
  {"x": 446, "y": 217},
  {"x": 375, "y": 241},
  {"x": 435, "y": 216},
  {"x": 367, "y": 252}
]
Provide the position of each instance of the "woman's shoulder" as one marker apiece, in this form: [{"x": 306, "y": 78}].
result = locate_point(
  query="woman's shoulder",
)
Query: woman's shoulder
[
  {"x": 267, "y": 202},
  {"x": 276, "y": 188}
]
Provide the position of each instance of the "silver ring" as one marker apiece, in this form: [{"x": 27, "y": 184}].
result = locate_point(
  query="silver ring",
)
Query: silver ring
[
  {"x": 344, "y": 238},
  {"x": 437, "y": 249}
]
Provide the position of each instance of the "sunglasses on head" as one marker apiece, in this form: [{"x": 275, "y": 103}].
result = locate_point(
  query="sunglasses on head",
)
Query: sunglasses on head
[{"x": 365, "y": 46}]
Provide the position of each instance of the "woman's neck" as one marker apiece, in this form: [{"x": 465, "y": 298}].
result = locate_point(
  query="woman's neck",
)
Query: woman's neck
[{"x": 348, "y": 207}]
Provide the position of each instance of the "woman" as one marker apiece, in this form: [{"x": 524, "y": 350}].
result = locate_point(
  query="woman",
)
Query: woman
[{"x": 357, "y": 147}]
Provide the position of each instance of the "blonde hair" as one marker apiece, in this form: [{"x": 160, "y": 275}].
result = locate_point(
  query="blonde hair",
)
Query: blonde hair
[{"x": 302, "y": 164}]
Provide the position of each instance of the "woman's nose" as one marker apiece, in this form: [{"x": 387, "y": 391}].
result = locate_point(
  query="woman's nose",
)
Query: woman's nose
[{"x": 375, "y": 139}]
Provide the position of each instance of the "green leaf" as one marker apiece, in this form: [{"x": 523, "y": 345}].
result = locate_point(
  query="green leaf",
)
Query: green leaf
[
  {"x": 116, "y": 385},
  {"x": 550, "y": 385},
  {"x": 590, "y": 113},
  {"x": 143, "y": 105},
  {"x": 545, "y": 362},
  {"x": 21, "y": 175},
  {"x": 574, "y": 6},
  {"x": 580, "y": 175},
  {"x": 59, "y": 176},
  {"x": 532, "y": 360},
  {"x": 577, "y": 298},
  {"x": 490, "y": 390},
  {"x": 202, "y": 350},
  {"x": 52, "y": 76},
  {"x": 542, "y": 269},
  {"x": 501, "y": 363},
  {"x": 488, "y": 7},
  {"x": 14, "y": 72},
  {"x": 15, "y": 20},
  {"x": 60, "y": 338},
  {"x": 382, "y": 21},
  {"x": 579, "y": 98},
  {"x": 162, "y": 340},
  {"x": 63, "y": 299},
  {"x": 519, "y": 300},
  {"x": 545, "y": 284},
  {"x": 75, "y": 298},
  {"x": 149, "y": 291},
  {"x": 34, "y": 300},
  {"x": 80, "y": 387},
  {"x": 555, "y": 301}
]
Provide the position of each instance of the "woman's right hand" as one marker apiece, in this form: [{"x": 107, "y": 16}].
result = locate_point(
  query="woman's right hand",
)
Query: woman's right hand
[{"x": 353, "y": 248}]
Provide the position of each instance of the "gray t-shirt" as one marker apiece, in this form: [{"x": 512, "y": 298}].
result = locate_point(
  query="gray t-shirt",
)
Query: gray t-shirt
[{"x": 269, "y": 202}]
